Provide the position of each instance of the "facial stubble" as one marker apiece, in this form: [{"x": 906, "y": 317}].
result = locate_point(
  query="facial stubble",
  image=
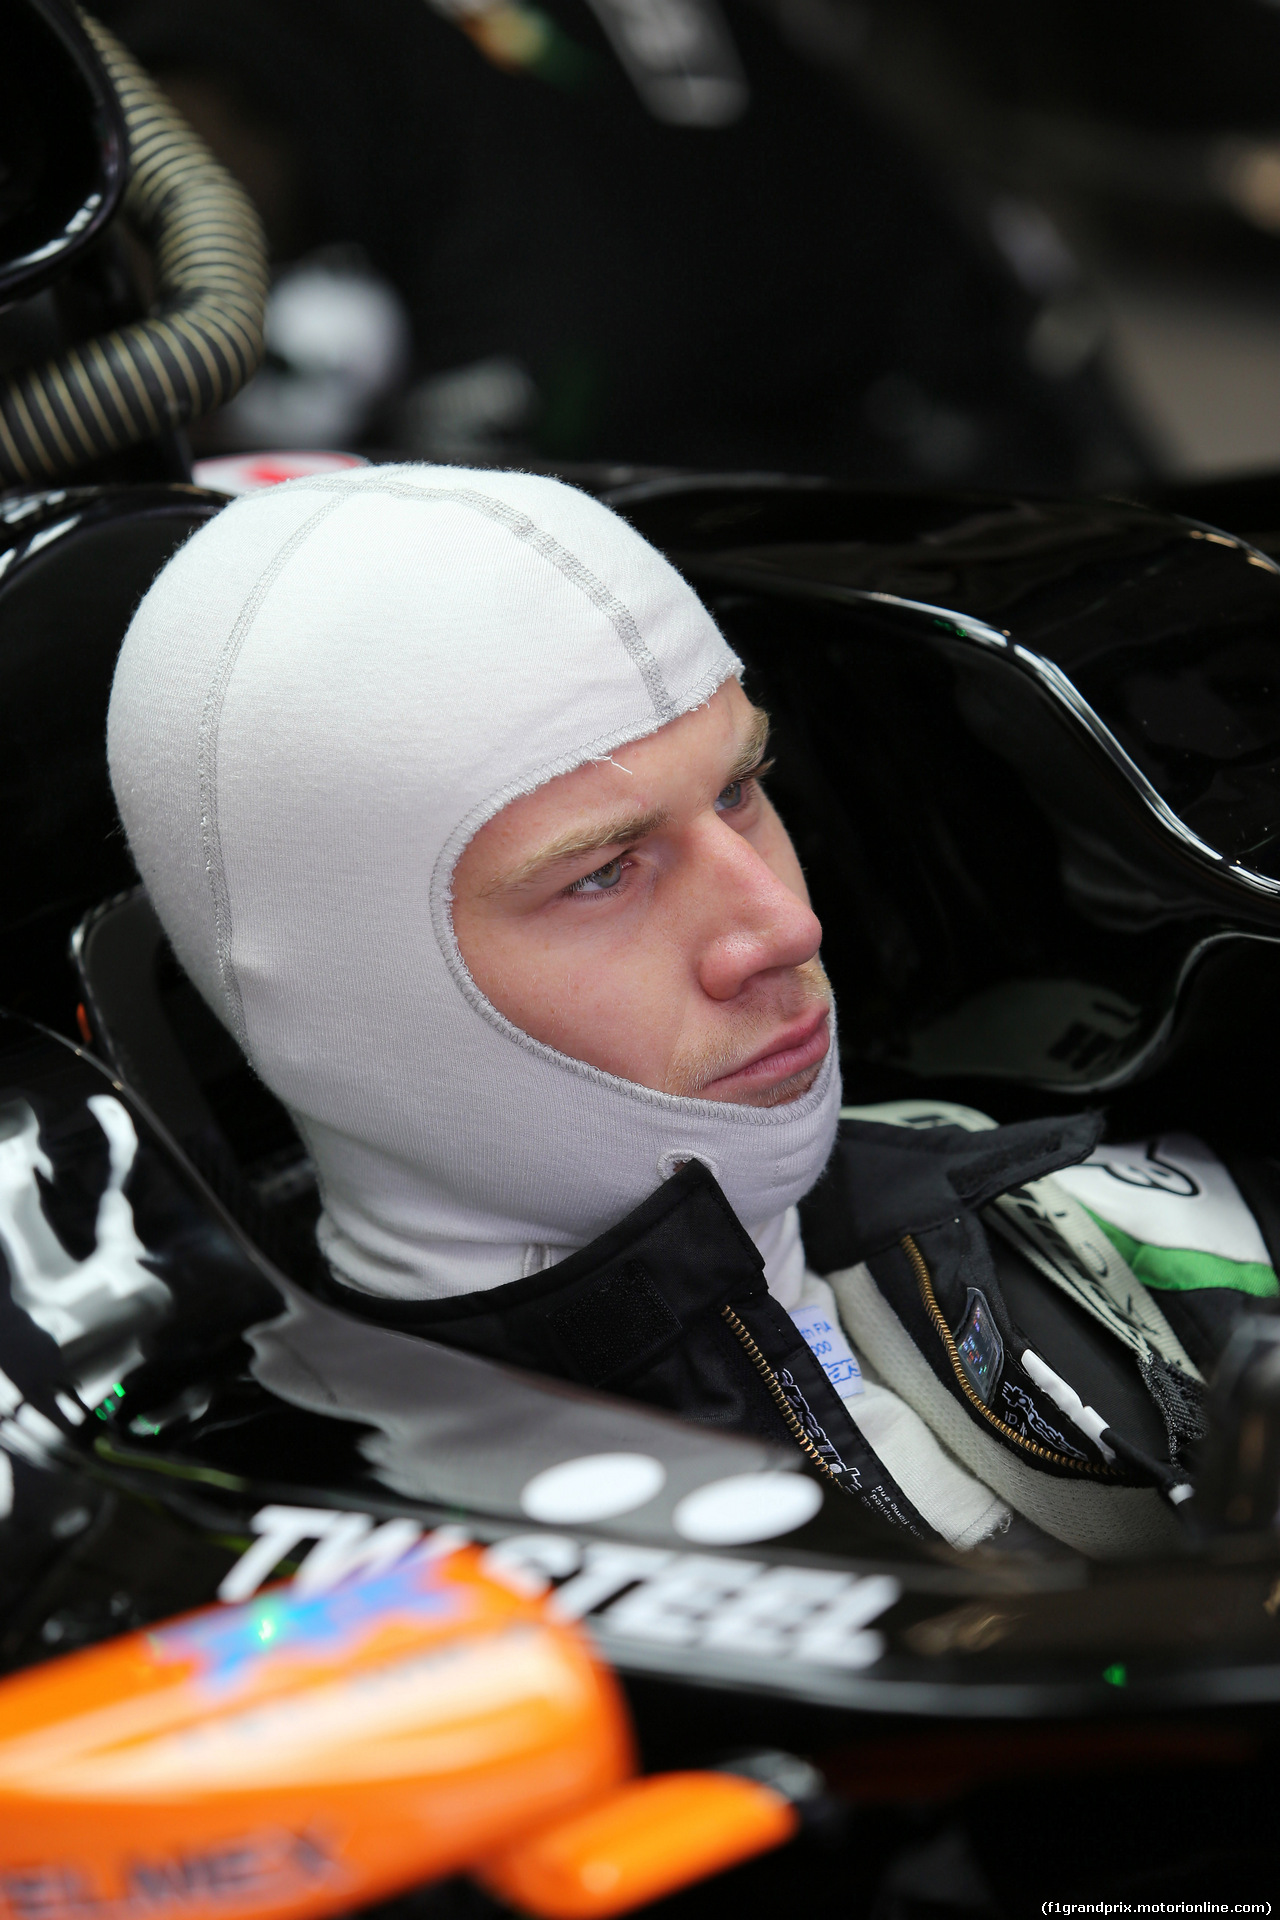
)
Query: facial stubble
[{"x": 692, "y": 1070}]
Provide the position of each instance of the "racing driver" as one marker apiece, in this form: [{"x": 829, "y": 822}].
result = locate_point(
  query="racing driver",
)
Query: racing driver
[{"x": 446, "y": 789}]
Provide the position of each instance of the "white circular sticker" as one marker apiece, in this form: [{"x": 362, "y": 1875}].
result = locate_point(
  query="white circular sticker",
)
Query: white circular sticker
[
  {"x": 748, "y": 1506},
  {"x": 596, "y": 1487}
]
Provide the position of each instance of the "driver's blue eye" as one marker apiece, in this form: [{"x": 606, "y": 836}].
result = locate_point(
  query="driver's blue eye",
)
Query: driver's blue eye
[
  {"x": 730, "y": 797},
  {"x": 601, "y": 880}
]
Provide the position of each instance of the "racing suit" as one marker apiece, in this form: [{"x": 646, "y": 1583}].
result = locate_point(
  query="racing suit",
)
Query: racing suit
[{"x": 1067, "y": 1391}]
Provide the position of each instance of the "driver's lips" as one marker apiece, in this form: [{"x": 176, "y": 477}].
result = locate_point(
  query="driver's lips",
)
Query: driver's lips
[{"x": 800, "y": 1045}]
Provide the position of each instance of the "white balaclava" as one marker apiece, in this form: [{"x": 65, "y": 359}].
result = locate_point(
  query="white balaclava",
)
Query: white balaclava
[{"x": 323, "y": 696}]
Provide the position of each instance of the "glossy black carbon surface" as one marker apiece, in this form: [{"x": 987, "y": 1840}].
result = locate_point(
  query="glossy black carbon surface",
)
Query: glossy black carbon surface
[
  {"x": 74, "y": 564},
  {"x": 1029, "y": 752},
  {"x": 63, "y": 158}
]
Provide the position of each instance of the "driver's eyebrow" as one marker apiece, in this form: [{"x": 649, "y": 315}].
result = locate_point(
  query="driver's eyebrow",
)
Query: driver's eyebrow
[
  {"x": 610, "y": 832},
  {"x": 619, "y": 829},
  {"x": 752, "y": 750}
]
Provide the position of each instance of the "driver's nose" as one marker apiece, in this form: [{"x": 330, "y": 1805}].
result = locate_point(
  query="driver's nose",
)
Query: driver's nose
[{"x": 762, "y": 926}]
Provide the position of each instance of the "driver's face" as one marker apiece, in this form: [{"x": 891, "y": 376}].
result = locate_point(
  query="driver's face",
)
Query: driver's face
[{"x": 647, "y": 914}]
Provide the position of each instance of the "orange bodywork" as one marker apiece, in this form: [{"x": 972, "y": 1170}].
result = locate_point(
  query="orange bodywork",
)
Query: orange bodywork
[
  {"x": 644, "y": 1841},
  {"x": 300, "y": 1756}
]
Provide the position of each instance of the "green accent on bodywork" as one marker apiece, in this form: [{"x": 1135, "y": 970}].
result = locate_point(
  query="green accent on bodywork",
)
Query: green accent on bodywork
[
  {"x": 1184, "y": 1270},
  {"x": 174, "y": 1469},
  {"x": 238, "y": 1543}
]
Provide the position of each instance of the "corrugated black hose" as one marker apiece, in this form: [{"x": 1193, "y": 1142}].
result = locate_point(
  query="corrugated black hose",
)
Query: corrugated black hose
[{"x": 204, "y": 339}]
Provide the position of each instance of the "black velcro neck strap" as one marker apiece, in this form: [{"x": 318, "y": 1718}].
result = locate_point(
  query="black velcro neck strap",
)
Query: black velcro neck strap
[
  {"x": 984, "y": 1165},
  {"x": 686, "y": 1231},
  {"x": 884, "y": 1181}
]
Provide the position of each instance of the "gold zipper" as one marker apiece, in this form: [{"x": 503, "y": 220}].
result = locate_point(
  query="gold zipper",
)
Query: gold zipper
[
  {"x": 935, "y": 1313},
  {"x": 774, "y": 1385}
]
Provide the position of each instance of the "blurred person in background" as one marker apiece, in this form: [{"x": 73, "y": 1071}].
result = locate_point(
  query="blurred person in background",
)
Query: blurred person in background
[{"x": 626, "y": 230}]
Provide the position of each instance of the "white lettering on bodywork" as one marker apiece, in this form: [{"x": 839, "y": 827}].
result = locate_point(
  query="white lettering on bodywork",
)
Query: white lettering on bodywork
[
  {"x": 813, "y": 1616},
  {"x": 348, "y": 1546},
  {"x": 816, "y": 1616}
]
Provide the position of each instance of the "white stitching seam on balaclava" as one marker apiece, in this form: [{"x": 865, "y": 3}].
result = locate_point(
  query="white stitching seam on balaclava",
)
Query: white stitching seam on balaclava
[
  {"x": 620, "y": 618},
  {"x": 440, "y": 1159}
]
